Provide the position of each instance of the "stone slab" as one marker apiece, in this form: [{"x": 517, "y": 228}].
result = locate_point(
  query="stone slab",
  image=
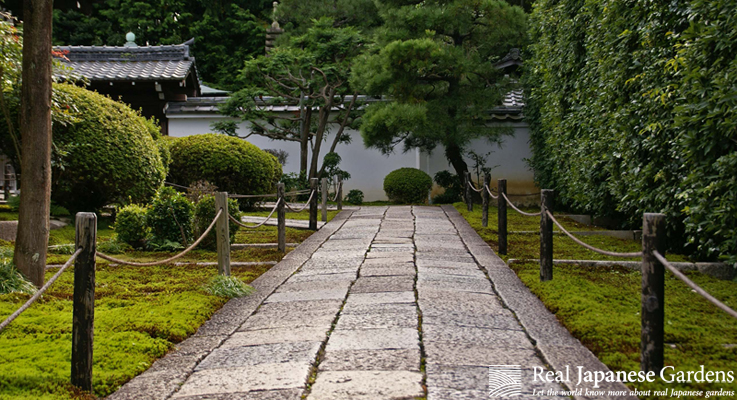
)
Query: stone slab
[
  {"x": 231, "y": 357},
  {"x": 371, "y": 360},
  {"x": 277, "y": 335},
  {"x": 303, "y": 277},
  {"x": 378, "y": 320},
  {"x": 366, "y": 385},
  {"x": 378, "y": 308},
  {"x": 387, "y": 271},
  {"x": 379, "y": 298},
  {"x": 291, "y": 375},
  {"x": 383, "y": 284},
  {"x": 331, "y": 284},
  {"x": 374, "y": 339},
  {"x": 295, "y": 321},
  {"x": 479, "y": 354},
  {"x": 284, "y": 394},
  {"x": 499, "y": 338},
  {"x": 337, "y": 294}
]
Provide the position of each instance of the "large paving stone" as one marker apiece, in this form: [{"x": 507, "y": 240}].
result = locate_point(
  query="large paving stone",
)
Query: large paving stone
[
  {"x": 379, "y": 298},
  {"x": 334, "y": 294},
  {"x": 292, "y": 375},
  {"x": 371, "y": 360},
  {"x": 378, "y": 308},
  {"x": 479, "y": 354},
  {"x": 281, "y": 310},
  {"x": 330, "y": 264},
  {"x": 405, "y": 240},
  {"x": 378, "y": 320},
  {"x": 151, "y": 386},
  {"x": 276, "y": 335},
  {"x": 374, "y": 339},
  {"x": 447, "y": 264},
  {"x": 499, "y": 338},
  {"x": 268, "y": 321},
  {"x": 454, "y": 283},
  {"x": 387, "y": 262},
  {"x": 391, "y": 255},
  {"x": 468, "y": 272},
  {"x": 438, "y": 302},
  {"x": 329, "y": 270},
  {"x": 367, "y": 271},
  {"x": 312, "y": 286},
  {"x": 302, "y": 277},
  {"x": 504, "y": 320},
  {"x": 383, "y": 284},
  {"x": 366, "y": 385},
  {"x": 231, "y": 357},
  {"x": 444, "y": 257},
  {"x": 283, "y": 394},
  {"x": 477, "y": 378}
]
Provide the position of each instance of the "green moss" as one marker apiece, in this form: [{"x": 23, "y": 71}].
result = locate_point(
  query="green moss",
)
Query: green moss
[{"x": 601, "y": 306}]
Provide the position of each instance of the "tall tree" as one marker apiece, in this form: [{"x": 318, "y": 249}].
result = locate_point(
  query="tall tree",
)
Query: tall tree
[
  {"x": 312, "y": 71},
  {"x": 436, "y": 63},
  {"x": 296, "y": 16},
  {"x": 35, "y": 199}
]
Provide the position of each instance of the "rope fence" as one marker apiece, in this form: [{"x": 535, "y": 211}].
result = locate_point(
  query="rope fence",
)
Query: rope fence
[
  {"x": 39, "y": 292},
  {"x": 303, "y": 207},
  {"x": 168, "y": 260},
  {"x": 241, "y": 224},
  {"x": 653, "y": 264}
]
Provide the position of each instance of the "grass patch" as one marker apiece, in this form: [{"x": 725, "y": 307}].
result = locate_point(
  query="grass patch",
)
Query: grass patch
[
  {"x": 228, "y": 286},
  {"x": 601, "y": 305},
  {"x": 12, "y": 281},
  {"x": 302, "y": 215}
]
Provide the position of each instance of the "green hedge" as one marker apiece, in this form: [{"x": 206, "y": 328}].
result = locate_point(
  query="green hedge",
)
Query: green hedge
[
  {"x": 204, "y": 213},
  {"x": 231, "y": 164},
  {"x": 108, "y": 153},
  {"x": 632, "y": 109},
  {"x": 407, "y": 185}
]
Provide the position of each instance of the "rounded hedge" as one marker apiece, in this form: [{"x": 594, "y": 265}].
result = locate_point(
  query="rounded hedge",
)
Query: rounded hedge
[
  {"x": 204, "y": 213},
  {"x": 130, "y": 225},
  {"x": 104, "y": 152},
  {"x": 407, "y": 185},
  {"x": 170, "y": 217},
  {"x": 231, "y": 164}
]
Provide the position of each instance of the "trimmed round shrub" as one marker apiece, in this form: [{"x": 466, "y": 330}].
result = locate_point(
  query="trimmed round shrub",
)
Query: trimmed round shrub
[
  {"x": 204, "y": 213},
  {"x": 231, "y": 164},
  {"x": 355, "y": 197},
  {"x": 130, "y": 225},
  {"x": 407, "y": 185},
  {"x": 104, "y": 152},
  {"x": 170, "y": 217}
]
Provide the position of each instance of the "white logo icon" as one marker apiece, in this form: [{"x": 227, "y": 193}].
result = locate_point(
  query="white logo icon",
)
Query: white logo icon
[{"x": 505, "y": 380}]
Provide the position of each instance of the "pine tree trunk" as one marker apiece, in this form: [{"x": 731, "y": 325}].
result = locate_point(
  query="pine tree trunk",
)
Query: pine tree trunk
[
  {"x": 455, "y": 157},
  {"x": 304, "y": 144},
  {"x": 33, "y": 217}
]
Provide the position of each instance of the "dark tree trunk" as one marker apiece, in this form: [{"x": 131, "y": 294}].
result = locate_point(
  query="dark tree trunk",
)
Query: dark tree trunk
[
  {"x": 322, "y": 125},
  {"x": 304, "y": 144},
  {"x": 455, "y": 157},
  {"x": 33, "y": 217}
]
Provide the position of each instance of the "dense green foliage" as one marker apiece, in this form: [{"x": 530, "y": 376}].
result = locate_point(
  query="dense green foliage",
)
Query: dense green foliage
[
  {"x": 296, "y": 16},
  {"x": 313, "y": 67},
  {"x": 131, "y": 226},
  {"x": 11, "y": 280},
  {"x": 632, "y": 108},
  {"x": 231, "y": 164},
  {"x": 170, "y": 217},
  {"x": 107, "y": 154},
  {"x": 204, "y": 213},
  {"x": 436, "y": 60},
  {"x": 225, "y": 31},
  {"x": 407, "y": 185},
  {"x": 452, "y": 186},
  {"x": 355, "y": 196}
]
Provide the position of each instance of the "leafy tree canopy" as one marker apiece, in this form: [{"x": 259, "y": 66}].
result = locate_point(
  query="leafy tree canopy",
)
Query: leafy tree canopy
[
  {"x": 225, "y": 31},
  {"x": 436, "y": 62},
  {"x": 296, "y": 16}
]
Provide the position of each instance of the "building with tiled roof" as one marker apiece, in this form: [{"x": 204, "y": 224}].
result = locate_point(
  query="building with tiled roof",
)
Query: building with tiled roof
[{"x": 145, "y": 77}]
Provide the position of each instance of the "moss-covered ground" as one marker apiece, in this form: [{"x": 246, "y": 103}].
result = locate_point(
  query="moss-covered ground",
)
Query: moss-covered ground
[
  {"x": 140, "y": 313},
  {"x": 601, "y": 306}
]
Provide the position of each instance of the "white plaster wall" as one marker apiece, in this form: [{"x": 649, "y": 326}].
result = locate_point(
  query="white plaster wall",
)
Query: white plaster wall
[{"x": 367, "y": 167}]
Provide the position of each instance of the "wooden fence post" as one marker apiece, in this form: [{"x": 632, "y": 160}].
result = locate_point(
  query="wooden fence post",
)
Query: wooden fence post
[
  {"x": 502, "y": 215},
  {"x": 324, "y": 203},
  {"x": 469, "y": 199},
  {"x": 340, "y": 193},
  {"x": 485, "y": 201},
  {"x": 546, "y": 236},
  {"x": 653, "y": 291},
  {"x": 222, "y": 233},
  {"x": 313, "y": 204},
  {"x": 281, "y": 222},
  {"x": 84, "y": 301}
]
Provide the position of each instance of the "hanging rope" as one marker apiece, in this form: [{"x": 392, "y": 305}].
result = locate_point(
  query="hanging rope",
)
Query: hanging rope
[
  {"x": 41, "y": 291},
  {"x": 490, "y": 194},
  {"x": 473, "y": 187},
  {"x": 337, "y": 191},
  {"x": 518, "y": 210},
  {"x": 168, "y": 260},
  {"x": 303, "y": 207},
  {"x": 588, "y": 246},
  {"x": 694, "y": 286},
  {"x": 239, "y": 223}
]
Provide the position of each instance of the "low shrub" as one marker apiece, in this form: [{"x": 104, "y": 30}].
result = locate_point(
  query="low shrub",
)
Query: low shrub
[
  {"x": 407, "y": 185},
  {"x": 170, "y": 217},
  {"x": 231, "y": 164},
  {"x": 131, "y": 226},
  {"x": 355, "y": 197},
  {"x": 204, "y": 214},
  {"x": 228, "y": 286},
  {"x": 12, "y": 281},
  {"x": 452, "y": 186}
]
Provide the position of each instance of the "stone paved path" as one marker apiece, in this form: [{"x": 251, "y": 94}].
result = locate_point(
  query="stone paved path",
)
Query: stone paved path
[{"x": 382, "y": 303}]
